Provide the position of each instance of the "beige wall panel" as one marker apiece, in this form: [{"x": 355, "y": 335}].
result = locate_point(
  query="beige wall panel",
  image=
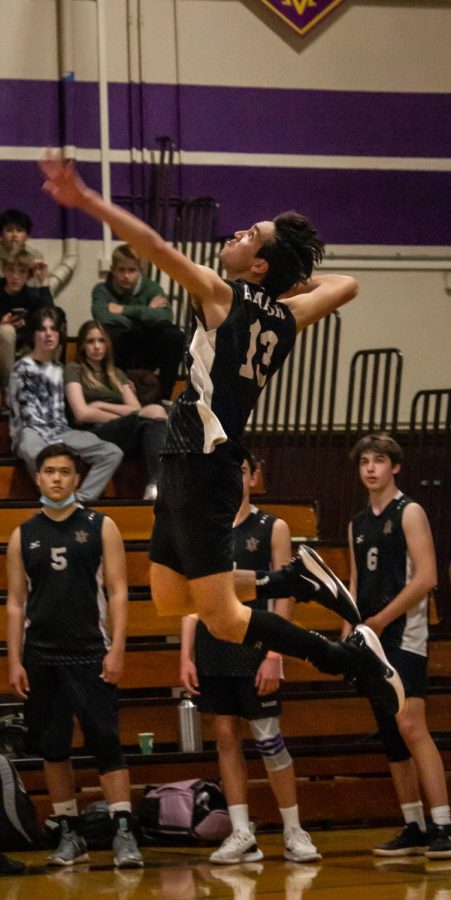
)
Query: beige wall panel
[
  {"x": 28, "y": 39},
  {"x": 407, "y": 310},
  {"x": 361, "y": 46},
  {"x": 159, "y": 48}
]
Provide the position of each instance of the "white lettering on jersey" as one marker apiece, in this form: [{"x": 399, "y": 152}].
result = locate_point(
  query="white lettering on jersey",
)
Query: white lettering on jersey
[
  {"x": 264, "y": 302},
  {"x": 371, "y": 559}
]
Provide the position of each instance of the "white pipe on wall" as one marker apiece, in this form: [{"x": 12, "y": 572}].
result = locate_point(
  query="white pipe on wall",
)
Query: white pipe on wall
[
  {"x": 63, "y": 271},
  {"x": 104, "y": 263}
]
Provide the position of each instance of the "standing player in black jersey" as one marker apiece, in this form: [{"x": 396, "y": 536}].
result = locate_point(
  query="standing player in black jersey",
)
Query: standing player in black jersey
[
  {"x": 245, "y": 327},
  {"x": 393, "y": 570},
  {"x": 62, "y": 661},
  {"x": 234, "y": 681}
]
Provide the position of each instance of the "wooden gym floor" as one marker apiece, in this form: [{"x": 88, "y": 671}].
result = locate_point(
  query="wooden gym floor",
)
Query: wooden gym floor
[{"x": 347, "y": 871}]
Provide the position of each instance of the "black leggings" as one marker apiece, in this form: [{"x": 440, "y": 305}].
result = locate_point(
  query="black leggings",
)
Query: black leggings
[
  {"x": 135, "y": 432},
  {"x": 159, "y": 346}
]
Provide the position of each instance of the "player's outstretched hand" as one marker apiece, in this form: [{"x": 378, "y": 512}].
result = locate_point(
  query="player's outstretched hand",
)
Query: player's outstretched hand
[{"x": 62, "y": 180}]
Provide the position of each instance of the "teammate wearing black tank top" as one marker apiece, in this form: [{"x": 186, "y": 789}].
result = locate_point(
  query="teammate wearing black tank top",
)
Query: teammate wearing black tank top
[
  {"x": 235, "y": 681},
  {"x": 62, "y": 660},
  {"x": 393, "y": 570},
  {"x": 245, "y": 327}
]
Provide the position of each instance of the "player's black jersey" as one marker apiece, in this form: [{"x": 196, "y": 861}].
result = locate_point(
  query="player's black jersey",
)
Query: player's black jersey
[
  {"x": 252, "y": 550},
  {"x": 383, "y": 569},
  {"x": 228, "y": 368},
  {"x": 66, "y": 605}
]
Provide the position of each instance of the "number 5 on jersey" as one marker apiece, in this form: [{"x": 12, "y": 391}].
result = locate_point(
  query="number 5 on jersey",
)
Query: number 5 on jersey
[{"x": 59, "y": 561}]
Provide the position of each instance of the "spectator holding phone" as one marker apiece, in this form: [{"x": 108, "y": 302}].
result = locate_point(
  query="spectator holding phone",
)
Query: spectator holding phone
[{"x": 17, "y": 301}]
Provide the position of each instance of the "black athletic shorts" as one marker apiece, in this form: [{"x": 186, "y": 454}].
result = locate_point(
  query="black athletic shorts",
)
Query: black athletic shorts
[
  {"x": 412, "y": 669},
  {"x": 198, "y": 498},
  {"x": 57, "y": 693},
  {"x": 236, "y": 697}
]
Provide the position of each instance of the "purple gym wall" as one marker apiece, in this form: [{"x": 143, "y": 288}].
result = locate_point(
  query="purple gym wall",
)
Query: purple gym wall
[{"x": 352, "y": 205}]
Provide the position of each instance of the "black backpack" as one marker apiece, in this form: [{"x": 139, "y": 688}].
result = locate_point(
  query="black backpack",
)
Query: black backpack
[{"x": 18, "y": 827}]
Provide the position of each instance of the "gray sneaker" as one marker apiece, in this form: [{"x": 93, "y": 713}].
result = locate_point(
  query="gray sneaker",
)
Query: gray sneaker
[
  {"x": 126, "y": 852},
  {"x": 70, "y": 850}
]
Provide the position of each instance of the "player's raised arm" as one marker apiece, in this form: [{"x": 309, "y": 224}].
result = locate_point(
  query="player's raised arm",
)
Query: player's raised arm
[
  {"x": 66, "y": 187},
  {"x": 319, "y": 296}
]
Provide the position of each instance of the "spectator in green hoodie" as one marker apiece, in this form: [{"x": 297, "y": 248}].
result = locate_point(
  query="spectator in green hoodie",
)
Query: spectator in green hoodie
[{"x": 137, "y": 315}]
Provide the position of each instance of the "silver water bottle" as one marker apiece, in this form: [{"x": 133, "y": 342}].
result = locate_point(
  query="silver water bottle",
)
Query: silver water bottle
[{"x": 190, "y": 729}]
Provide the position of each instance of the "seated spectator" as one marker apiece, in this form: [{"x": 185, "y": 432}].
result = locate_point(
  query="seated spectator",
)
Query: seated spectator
[
  {"x": 38, "y": 418},
  {"x": 15, "y": 229},
  {"x": 102, "y": 401},
  {"x": 137, "y": 315},
  {"x": 17, "y": 302}
]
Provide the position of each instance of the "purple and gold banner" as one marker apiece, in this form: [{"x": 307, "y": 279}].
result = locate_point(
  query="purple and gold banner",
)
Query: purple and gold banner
[{"x": 302, "y": 15}]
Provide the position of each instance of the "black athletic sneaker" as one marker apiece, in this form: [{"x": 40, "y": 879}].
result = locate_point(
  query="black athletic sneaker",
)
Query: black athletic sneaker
[
  {"x": 309, "y": 578},
  {"x": 411, "y": 841},
  {"x": 439, "y": 842},
  {"x": 372, "y": 673},
  {"x": 10, "y": 866}
]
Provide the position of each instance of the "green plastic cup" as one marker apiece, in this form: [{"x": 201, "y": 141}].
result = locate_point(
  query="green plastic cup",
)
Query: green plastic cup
[{"x": 146, "y": 741}]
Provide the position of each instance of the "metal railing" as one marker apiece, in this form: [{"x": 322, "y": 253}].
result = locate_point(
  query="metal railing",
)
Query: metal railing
[{"x": 374, "y": 391}]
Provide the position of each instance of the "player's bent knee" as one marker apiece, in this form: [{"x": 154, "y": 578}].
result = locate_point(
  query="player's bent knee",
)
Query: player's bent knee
[
  {"x": 270, "y": 744},
  {"x": 393, "y": 741}
]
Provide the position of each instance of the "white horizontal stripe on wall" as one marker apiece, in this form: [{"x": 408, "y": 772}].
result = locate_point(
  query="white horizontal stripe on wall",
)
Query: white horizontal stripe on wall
[{"x": 252, "y": 160}]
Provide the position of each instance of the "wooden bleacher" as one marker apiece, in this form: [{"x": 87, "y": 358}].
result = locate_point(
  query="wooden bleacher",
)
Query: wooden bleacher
[{"x": 339, "y": 763}]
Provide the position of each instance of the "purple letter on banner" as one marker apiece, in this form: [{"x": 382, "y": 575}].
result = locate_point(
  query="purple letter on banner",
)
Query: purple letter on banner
[{"x": 302, "y": 14}]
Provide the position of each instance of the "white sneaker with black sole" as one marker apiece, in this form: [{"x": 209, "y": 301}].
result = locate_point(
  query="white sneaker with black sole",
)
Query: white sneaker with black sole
[
  {"x": 374, "y": 676},
  {"x": 238, "y": 847},
  {"x": 298, "y": 846},
  {"x": 309, "y": 578}
]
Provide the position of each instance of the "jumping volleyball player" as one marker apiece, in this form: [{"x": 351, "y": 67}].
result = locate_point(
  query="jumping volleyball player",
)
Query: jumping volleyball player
[{"x": 244, "y": 328}]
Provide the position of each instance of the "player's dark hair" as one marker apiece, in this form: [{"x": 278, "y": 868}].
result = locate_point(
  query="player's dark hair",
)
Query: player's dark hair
[
  {"x": 36, "y": 321},
  {"x": 377, "y": 443},
  {"x": 16, "y": 217},
  {"x": 60, "y": 449},
  {"x": 247, "y": 455},
  {"x": 291, "y": 254}
]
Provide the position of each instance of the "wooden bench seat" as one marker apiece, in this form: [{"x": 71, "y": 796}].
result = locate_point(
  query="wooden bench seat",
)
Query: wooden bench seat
[
  {"x": 329, "y": 791},
  {"x": 134, "y": 518}
]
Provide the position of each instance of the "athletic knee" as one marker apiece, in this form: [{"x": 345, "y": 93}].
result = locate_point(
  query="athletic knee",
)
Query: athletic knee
[
  {"x": 395, "y": 746},
  {"x": 270, "y": 744},
  {"x": 53, "y": 747},
  {"x": 224, "y": 627},
  {"x": 108, "y": 752},
  {"x": 228, "y": 735},
  {"x": 412, "y": 729}
]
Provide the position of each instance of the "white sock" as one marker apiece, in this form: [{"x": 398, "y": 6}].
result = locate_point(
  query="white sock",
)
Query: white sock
[
  {"x": 414, "y": 812},
  {"x": 68, "y": 808},
  {"x": 441, "y": 815},
  {"x": 121, "y": 806},
  {"x": 290, "y": 817},
  {"x": 239, "y": 815}
]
